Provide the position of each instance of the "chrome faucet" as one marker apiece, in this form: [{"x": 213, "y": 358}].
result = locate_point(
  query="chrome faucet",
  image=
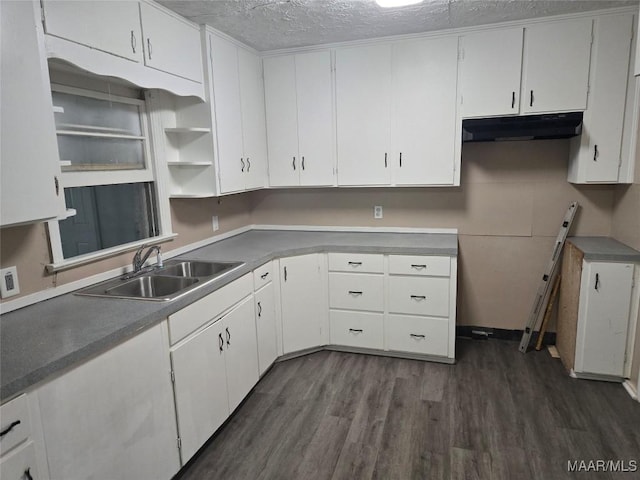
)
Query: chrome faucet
[{"x": 139, "y": 259}]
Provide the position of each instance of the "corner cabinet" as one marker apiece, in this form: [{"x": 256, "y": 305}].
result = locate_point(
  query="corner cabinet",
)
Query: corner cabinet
[{"x": 29, "y": 188}]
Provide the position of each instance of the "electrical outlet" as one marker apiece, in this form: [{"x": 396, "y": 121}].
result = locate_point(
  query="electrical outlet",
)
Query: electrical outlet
[
  {"x": 377, "y": 211},
  {"x": 214, "y": 221},
  {"x": 9, "y": 285}
]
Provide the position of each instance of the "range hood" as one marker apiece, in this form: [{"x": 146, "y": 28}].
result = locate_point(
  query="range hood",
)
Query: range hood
[{"x": 527, "y": 127}]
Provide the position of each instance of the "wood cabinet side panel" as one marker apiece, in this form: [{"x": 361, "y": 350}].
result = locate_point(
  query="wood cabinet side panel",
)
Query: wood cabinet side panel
[{"x": 568, "y": 306}]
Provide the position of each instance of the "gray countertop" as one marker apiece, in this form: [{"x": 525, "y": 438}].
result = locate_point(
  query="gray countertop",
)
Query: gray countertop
[
  {"x": 605, "y": 249},
  {"x": 42, "y": 340}
]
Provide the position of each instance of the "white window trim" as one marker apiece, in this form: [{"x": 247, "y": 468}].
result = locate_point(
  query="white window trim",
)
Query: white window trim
[{"x": 150, "y": 173}]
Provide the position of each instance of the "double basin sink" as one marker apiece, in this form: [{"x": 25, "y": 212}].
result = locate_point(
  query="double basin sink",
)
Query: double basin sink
[{"x": 175, "y": 279}]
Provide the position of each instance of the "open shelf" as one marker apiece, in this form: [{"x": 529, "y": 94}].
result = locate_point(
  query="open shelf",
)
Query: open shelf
[
  {"x": 187, "y": 130},
  {"x": 180, "y": 163},
  {"x": 191, "y": 195}
]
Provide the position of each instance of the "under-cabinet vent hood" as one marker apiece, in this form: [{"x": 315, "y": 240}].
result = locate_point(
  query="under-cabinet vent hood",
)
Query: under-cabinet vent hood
[{"x": 528, "y": 127}]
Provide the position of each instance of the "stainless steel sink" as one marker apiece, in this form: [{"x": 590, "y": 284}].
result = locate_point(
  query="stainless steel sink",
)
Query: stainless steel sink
[{"x": 166, "y": 283}]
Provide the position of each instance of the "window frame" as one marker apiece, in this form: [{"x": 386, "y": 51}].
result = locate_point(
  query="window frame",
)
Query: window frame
[{"x": 150, "y": 173}]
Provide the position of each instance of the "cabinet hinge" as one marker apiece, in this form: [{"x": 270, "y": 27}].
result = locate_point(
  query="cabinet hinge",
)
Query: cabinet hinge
[
  {"x": 179, "y": 441},
  {"x": 173, "y": 377}
]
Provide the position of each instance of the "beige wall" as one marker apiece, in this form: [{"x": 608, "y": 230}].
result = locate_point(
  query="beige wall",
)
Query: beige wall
[
  {"x": 27, "y": 247},
  {"x": 508, "y": 212}
]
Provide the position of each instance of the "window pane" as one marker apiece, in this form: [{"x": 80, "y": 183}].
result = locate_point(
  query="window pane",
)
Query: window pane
[
  {"x": 92, "y": 114},
  {"x": 95, "y": 153},
  {"x": 107, "y": 216}
]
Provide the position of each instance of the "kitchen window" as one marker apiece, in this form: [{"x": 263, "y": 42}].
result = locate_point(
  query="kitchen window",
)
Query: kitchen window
[{"x": 108, "y": 175}]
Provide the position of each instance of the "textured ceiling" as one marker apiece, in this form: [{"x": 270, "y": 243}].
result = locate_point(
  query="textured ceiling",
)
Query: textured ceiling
[{"x": 275, "y": 24}]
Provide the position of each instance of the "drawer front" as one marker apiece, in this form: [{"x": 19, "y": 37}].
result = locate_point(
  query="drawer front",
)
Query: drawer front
[
  {"x": 419, "y": 295},
  {"x": 14, "y": 415},
  {"x": 357, "y": 329},
  {"x": 20, "y": 464},
  {"x": 429, "y": 336},
  {"x": 262, "y": 275},
  {"x": 192, "y": 317},
  {"x": 356, "y": 262},
  {"x": 356, "y": 292},
  {"x": 419, "y": 265}
]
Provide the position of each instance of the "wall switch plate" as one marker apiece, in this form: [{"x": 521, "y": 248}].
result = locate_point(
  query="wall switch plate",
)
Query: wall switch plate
[
  {"x": 9, "y": 285},
  {"x": 214, "y": 221},
  {"x": 377, "y": 211}
]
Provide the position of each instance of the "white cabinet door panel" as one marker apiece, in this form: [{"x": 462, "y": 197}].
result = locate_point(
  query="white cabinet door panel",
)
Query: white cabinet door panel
[
  {"x": 424, "y": 114},
  {"x": 266, "y": 327},
  {"x": 17, "y": 463},
  {"x": 555, "y": 69},
  {"x": 490, "y": 72},
  {"x": 282, "y": 120},
  {"x": 315, "y": 118},
  {"x": 241, "y": 352},
  {"x": 356, "y": 291},
  {"x": 419, "y": 295},
  {"x": 357, "y": 329},
  {"x": 113, "y": 27},
  {"x": 200, "y": 388},
  {"x": 171, "y": 44},
  {"x": 428, "y": 336},
  {"x": 604, "y": 317},
  {"x": 356, "y": 262},
  {"x": 363, "y": 90}
]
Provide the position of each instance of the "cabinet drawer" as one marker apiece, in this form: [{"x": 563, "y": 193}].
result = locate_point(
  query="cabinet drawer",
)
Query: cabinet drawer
[
  {"x": 356, "y": 262},
  {"x": 356, "y": 292},
  {"x": 16, "y": 464},
  {"x": 14, "y": 415},
  {"x": 262, "y": 275},
  {"x": 190, "y": 318},
  {"x": 356, "y": 329},
  {"x": 419, "y": 265},
  {"x": 429, "y": 336},
  {"x": 419, "y": 295}
]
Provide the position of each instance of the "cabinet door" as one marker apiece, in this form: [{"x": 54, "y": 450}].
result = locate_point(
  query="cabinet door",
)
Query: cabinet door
[
  {"x": 200, "y": 388},
  {"x": 266, "y": 327},
  {"x": 556, "y": 66},
  {"x": 316, "y": 138},
  {"x": 605, "y": 299},
  {"x": 113, "y": 27},
  {"x": 254, "y": 132},
  {"x": 228, "y": 117},
  {"x": 304, "y": 307},
  {"x": 241, "y": 352},
  {"x": 490, "y": 72},
  {"x": 282, "y": 120},
  {"x": 114, "y": 416},
  {"x": 601, "y": 141},
  {"x": 29, "y": 168},
  {"x": 363, "y": 90},
  {"x": 171, "y": 44},
  {"x": 424, "y": 113},
  {"x": 20, "y": 464}
]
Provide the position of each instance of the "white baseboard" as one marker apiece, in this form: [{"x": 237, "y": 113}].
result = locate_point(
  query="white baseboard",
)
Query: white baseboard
[{"x": 631, "y": 389}]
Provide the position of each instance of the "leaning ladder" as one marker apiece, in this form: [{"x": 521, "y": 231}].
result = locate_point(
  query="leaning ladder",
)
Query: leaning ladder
[{"x": 547, "y": 277}]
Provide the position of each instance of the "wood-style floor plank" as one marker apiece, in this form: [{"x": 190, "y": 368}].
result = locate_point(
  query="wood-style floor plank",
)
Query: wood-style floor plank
[{"x": 496, "y": 414}]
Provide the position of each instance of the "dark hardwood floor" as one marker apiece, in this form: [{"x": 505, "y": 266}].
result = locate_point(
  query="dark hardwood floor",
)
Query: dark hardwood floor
[{"x": 496, "y": 414}]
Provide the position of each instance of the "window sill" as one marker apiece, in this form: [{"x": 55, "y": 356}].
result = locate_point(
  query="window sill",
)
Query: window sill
[{"x": 106, "y": 253}]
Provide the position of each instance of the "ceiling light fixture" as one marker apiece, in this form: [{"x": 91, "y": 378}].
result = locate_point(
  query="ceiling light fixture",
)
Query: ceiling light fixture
[{"x": 397, "y": 3}]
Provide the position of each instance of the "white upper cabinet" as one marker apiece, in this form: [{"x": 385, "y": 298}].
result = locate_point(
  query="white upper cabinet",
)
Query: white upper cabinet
[
  {"x": 171, "y": 44},
  {"x": 555, "y": 69},
  {"x": 30, "y": 168},
  {"x": 238, "y": 103},
  {"x": 113, "y": 27},
  {"x": 596, "y": 155},
  {"x": 363, "y": 90},
  {"x": 423, "y": 113},
  {"x": 299, "y": 103},
  {"x": 490, "y": 72}
]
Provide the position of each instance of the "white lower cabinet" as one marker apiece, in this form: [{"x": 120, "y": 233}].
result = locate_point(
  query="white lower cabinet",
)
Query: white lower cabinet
[
  {"x": 357, "y": 329},
  {"x": 266, "y": 327},
  {"x": 113, "y": 416},
  {"x": 419, "y": 295},
  {"x": 428, "y": 336},
  {"x": 20, "y": 464}
]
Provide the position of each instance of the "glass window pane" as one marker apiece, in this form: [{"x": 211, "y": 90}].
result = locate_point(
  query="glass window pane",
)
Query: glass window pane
[
  {"x": 107, "y": 216},
  {"x": 92, "y": 114},
  {"x": 95, "y": 153}
]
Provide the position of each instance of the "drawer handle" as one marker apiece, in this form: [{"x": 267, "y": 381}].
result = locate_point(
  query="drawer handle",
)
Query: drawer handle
[
  {"x": 27, "y": 474},
  {"x": 597, "y": 281},
  {"x": 418, "y": 267},
  {"x": 356, "y": 330},
  {"x": 220, "y": 342},
  {"x": 264, "y": 275},
  {"x": 259, "y": 310},
  {"x": 418, "y": 297},
  {"x": 355, "y": 264},
  {"x": 228, "y": 336},
  {"x": 9, "y": 428},
  {"x": 416, "y": 335},
  {"x": 353, "y": 292}
]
